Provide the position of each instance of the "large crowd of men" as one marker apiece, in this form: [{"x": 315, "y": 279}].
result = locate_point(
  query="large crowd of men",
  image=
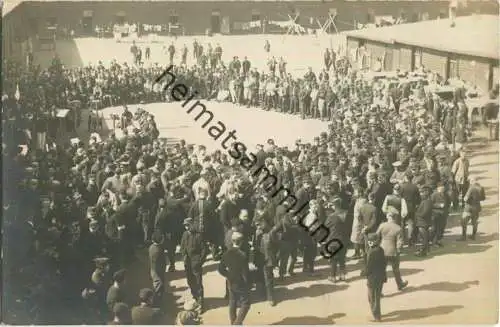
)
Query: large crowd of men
[{"x": 76, "y": 216}]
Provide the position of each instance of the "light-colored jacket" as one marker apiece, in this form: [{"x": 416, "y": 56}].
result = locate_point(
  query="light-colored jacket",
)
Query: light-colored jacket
[
  {"x": 460, "y": 170},
  {"x": 391, "y": 238},
  {"x": 357, "y": 226}
]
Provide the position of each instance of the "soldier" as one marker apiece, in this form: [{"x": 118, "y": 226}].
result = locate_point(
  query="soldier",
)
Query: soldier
[
  {"x": 234, "y": 267},
  {"x": 391, "y": 235},
  {"x": 335, "y": 222},
  {"x": 369, "y": 220},
  {"x": 423, "y": 220},
  {"x": 473, "y": 198},
  {"x": 144, "y": 313},
  {"x": 375, "y": 274},
  {"x": 157, "y": 265},
  {"x": 193, "y": 253},
  {"x": 440, "y": 211},
  {"x": 265, "y": 260},
  {"x": 304, "y": 195},
  {"x": 411, "y": 194}
]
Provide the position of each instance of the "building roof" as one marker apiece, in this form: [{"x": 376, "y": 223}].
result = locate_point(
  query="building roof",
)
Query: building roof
[
  {"x": 9, "y": 5},
  {"x": 475, "y": 35}
]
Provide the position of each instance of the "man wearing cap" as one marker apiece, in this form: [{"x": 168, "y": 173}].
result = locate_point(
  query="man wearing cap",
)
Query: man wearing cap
[
  {"x": 234, "y": 267},
  {"x": 193, "y": 252},
  {"x": 440, "y": 211},
  {"x": 375, "y": 274},
  {"x": 369, "y": 220},
  {"x": 472, "y": 199},
  {"x": 336, "y": 224},
  {"x": 410, "y": 193},
  {"x": 304, "y": 196},
  {"x": 391, "y": 236},
  {"x": 144, "y": 313},
  {"x": 157, "y": 265},
  {"x": 423, "y": 220}
]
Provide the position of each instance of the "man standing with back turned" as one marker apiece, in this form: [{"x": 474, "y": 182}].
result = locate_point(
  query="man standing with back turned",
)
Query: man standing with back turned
[{"x": 234, "y": 267}]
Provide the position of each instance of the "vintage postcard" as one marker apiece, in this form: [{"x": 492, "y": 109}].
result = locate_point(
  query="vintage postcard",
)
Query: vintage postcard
[{"x": 262, "y": 162}]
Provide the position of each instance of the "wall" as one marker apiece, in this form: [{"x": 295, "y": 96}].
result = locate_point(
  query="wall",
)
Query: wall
[
  {"x": 434, "y": 61},
  {"x": 475, "y": 70},
  {"x": 195, "y": 16}
]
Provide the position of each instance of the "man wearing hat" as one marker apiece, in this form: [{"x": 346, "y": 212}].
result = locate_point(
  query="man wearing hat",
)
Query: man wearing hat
[
  {"x": 193, "y": 252},
  {"x": 423, "y": 219},
  {"x": 234, "y": 267},
  {"x": 144, "y": 313},
  {"x": 375, "y": 274},
  {"x": 391, "y": 235}
]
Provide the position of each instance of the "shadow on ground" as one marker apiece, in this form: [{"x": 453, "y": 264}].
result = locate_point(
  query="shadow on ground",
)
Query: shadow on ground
[
  {"x": 310, "y": 320},
  {"x": 439, "y": 287},
  {"x": 421, "y": 313}
]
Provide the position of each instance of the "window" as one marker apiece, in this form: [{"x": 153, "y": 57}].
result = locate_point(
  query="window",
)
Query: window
[{"x": 255, "y": 16}]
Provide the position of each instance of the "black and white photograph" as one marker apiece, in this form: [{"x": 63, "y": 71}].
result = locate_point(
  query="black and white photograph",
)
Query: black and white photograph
[{"x": 250, "y": 162}]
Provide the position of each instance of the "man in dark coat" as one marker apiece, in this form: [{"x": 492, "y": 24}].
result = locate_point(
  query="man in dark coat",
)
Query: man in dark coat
[
  {"x": 335, "y": 221},
  {"x": 375, "y": 274},
  {"x": 411, "y": 195},
  {"x": 369, "y": 220},
  {"x": 193, "y": 253},
  {"x": 234, "y": 267},
  {"x": 158, "y": 265},
  {"x": 423, "y": 220}
]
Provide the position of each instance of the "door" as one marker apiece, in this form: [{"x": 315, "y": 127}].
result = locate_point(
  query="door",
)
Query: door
[
  {"x": 87, "y": 25},
  {"x": 215, "y": 22}
]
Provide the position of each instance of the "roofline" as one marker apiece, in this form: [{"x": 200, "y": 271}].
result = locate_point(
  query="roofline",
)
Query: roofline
[{"x": 471, "y": 53}]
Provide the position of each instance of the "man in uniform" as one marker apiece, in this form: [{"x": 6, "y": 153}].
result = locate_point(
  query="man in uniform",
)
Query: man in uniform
[
  {"x": 375, "y": 274},
  {"x": 440, "y": 210},
  {"x": 234, "y": 267},
  {"x": 158, "y": 265},
  {"x": 391, "y": 236},
  {"x": 473, "y": 198},
  {"x": 193, "y": 253},
  {"x": 423, "y": 220}
]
